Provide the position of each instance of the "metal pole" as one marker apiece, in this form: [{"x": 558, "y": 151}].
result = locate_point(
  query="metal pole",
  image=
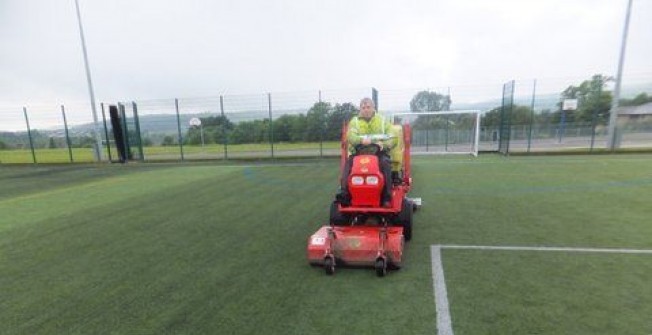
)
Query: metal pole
[
  {"x": 29, "y": 134},
  {"x": 321, "y": 135},
  {"x": 477, "y": 134},
  {"x": 594, "y": 119},
  {"x": 446, "y": 140},
  {"x": 96, "y": 128},
  {"x": 65, "y": 125},
  {"x": 106, "y": 133},
  {"x": 529, "y": 136},
  {"x": 134, "y": 107},
  {"x": 224, "y": 135},
  {"x": 271, "y": 125},
  {"x": 562, "y": 125},
  {"x": 613, "y": 114},
  {"x": 125, "y": 133},
  {"x": 176, "y": 106},
  {"x": 201, "y": 134},
  {"x": 427, "y": 130}
]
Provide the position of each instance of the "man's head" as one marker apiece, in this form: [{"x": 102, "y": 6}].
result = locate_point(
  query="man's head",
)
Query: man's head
[{"x": 367, "y": 108}]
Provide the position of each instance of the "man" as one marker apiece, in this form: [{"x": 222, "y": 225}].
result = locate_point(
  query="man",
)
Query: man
[{"x": 368, "y": 122}]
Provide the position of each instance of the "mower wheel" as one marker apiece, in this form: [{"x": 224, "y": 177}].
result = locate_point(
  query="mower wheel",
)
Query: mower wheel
[
  {"x": 336, "y": 217},
  {"x": 405, "y": 218},
  {"x": 381, "y": 267},
  {"x": 329, "y": 265}
]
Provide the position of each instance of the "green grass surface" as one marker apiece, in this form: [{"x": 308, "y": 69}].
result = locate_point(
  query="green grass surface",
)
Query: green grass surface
[{"x": 208, "y": 249}]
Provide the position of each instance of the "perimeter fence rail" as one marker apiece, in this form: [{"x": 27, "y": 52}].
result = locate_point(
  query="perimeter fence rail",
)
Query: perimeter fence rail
[{"x": 308, "y": 124}]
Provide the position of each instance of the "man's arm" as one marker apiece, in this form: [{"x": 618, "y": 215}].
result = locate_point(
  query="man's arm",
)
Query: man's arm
[
  {"x": 353, "y": 134},
  {"x": 388, "y": 128}
]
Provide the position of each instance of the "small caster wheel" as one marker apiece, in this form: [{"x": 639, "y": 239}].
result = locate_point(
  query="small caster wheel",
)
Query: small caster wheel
[
  {"x": 329, "y": 265},
  {"x": 381, "y": 267}
]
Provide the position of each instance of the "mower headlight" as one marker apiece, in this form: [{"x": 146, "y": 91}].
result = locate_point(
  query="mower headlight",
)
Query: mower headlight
[
  {"x": 357, "y": 180},
  {"x": 372, "y": 180}
]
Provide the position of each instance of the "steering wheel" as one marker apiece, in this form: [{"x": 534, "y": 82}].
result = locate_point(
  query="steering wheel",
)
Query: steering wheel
[{"x": 370, "y": 149}]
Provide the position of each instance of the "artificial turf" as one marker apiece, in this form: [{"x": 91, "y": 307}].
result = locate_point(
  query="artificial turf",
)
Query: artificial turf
[{"x": 207, "y": 249}]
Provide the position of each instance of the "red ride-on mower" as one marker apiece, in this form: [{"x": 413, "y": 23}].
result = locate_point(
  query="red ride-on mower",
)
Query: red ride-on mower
[{"x": 362, "y": 232}]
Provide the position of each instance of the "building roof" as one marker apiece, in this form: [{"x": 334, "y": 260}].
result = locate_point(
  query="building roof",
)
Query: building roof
[{"x": 644, "y": 109}]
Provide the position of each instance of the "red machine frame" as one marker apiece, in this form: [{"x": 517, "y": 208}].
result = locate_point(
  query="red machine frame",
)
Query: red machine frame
[{"x": 380, "y": 241}]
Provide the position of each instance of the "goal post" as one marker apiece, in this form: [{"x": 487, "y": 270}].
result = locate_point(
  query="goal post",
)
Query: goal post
[{"x": 444, "y": 132}]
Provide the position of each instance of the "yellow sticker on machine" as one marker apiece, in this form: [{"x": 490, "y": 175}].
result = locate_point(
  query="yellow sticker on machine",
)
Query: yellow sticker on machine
[{"x": 354, "y": 243}]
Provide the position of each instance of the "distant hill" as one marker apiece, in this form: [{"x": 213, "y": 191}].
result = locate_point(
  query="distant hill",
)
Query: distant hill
[
  {"x": 548, "y": 101},
  {"x": 167, "y": 123}
]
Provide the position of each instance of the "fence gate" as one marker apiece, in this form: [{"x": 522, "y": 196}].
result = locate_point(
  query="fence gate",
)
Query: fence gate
[
  {"x": 506, "y": 118},
  {"x": 124, "y": 133}
]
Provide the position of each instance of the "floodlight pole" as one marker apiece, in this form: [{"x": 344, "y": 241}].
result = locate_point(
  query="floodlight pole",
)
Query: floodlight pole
[
  {"x": 96, "y": 127},
  {"x": 613, "y": 113}
]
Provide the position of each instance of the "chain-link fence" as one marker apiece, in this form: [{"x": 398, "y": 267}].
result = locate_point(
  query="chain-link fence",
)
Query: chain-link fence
[{"x": 308, "y": 124}]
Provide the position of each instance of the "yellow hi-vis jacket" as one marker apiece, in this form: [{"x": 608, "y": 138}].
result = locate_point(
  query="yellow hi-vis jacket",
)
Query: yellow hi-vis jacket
[
  {"x": 396, "y": 154},
  {"x": 376, "y": 125}
]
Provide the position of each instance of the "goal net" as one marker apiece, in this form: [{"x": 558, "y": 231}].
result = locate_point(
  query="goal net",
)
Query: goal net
[{"x": 449, "y": 132}]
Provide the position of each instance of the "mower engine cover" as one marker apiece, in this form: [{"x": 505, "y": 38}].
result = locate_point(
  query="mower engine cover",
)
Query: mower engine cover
[{"x": 366, "y": 181}]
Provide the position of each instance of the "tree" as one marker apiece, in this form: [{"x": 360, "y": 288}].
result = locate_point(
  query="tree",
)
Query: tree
[
  {"x": 322, "y": 122},
  {"x": 426, "y": 101},
  {"x": 640, "y": 99},
  {"x": 147, "y": 141},
  {"x": 316, "y": 121},
  {"x": 520, "y": 116},
  {"x": 215, "y": 128},
  {"x": 168, "y": 141},
  {"x": 338, "y": 116},
  {"x": 282, "y": 128},
  {"x": 52, "y": 144},
  {"x": 593, "y": 100},
  {"x": 289, "y": 128},
  {"x": 3, "y": 145},
  {"x": 255, "y": 131}
]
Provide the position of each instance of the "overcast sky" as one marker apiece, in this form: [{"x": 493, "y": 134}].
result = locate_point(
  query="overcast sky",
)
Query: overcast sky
[{"x": 144, "y": 49}]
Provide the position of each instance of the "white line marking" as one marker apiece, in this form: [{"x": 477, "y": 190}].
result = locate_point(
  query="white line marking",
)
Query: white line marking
[
  {"x": 444, "y": 325},
  {"x": 564, "y": 249}
]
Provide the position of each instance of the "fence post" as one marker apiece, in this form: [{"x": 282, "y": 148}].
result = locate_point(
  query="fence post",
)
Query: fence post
[
  {"x": 529, "y": 136},
  {"x": 176, "y": 107},
  {"x": 562, "y": 124},
  {"x": 594, "y": 119},
  {"x": 427, "y": 131},
  {"x": 106, "y": 133},
  {"x": 321, "y": 134},
  {"x": 138, "y": 135},
  {"x": 446, "y": 145},
  {"x": 29, "y": 135},
  {"x": 65, "y": 126},
  {"x": 125, "y": 132},
  {"x": 224, "y": 134},
  {"x": 271, "y": 124}
]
